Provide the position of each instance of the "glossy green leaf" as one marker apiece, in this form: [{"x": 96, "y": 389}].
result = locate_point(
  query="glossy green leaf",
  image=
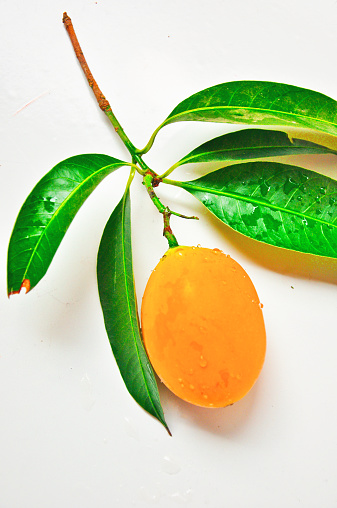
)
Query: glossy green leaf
[
  {"x": 251, "y": 144},
  {"x": 118, "y": 300},
  {"x": 47, "y": 213},
  {"x": 275, "y": 203},
  {"x": 257, "y": 103}
]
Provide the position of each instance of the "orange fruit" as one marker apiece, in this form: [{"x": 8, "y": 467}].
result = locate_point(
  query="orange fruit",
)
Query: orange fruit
[{"x": 203, "y": 327}]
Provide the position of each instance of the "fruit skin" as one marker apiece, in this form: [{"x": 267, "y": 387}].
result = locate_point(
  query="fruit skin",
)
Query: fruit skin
[{"x": 203, "y": 327}]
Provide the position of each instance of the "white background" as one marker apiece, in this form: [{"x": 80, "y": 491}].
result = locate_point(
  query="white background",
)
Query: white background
[{"x": 70, "y": 434}]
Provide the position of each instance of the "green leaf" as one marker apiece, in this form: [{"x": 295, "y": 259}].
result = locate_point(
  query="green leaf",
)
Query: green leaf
[
  {"x": 279, "y": 204},
  {"x": 47, "y": 213},
  {"x": 251, "y": 144},
  {"x": 118, "y": 301},
  {"x": 257, "y": 103}
]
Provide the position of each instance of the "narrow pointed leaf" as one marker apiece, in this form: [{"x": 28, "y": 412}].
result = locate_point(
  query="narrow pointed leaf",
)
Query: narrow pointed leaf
[
  {"x": 251, "y": 144},
  {"x": 118, "y": 301},
  {"x": 283, "y": 205},
  {"x": 47, "y": 213},
  {"x": 258, "y": 103}
]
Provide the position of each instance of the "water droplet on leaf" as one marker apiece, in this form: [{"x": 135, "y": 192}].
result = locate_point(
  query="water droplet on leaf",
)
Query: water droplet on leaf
[
  {"x": 289, "y": 185},
  {"x": 264, "y": 187}
]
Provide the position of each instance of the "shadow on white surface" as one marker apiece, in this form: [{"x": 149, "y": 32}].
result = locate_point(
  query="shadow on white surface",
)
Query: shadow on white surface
[{"x": 224, "y": 422}]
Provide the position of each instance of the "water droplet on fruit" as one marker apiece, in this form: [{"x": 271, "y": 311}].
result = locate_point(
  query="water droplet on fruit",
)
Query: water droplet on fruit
[
  {"x": 192, "y": 387},
  {"x": 202, "y": 362}
]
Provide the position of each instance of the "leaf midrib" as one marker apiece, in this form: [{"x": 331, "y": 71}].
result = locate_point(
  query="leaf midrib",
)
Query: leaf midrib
[
  {"x": 292, "y": 115},
  {"x": 252, "y": 148},
  {"x": 134, "y": 331},
  {"x": 237, "y": 196}
]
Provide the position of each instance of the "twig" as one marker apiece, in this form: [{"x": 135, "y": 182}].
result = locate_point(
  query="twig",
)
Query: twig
[{"x": 102, "y": 101}]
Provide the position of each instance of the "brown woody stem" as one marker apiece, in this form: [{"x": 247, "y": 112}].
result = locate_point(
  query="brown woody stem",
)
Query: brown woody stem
[{"x": 102, "y": 101}]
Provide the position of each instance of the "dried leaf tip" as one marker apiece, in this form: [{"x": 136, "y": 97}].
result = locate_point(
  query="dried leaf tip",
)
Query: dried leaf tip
[{"x": 24, "y": 288}]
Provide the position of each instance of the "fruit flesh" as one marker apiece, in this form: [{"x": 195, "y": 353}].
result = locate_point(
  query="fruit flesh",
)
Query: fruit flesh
[{"x": 203, "y": 327}]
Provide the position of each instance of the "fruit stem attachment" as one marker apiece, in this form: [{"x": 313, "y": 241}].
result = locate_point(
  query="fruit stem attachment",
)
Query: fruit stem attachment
[
  {"x": 101, "y": 99},
  {"x": 148, "y": 180},
  {"x": 168, "y": 233},
  {"x": 151, "y": 180}
]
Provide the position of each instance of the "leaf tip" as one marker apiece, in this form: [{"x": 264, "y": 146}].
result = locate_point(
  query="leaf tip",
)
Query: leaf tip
[
  {"x": 162, "y": 420},
  {"x": 24, "y": 288}
]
